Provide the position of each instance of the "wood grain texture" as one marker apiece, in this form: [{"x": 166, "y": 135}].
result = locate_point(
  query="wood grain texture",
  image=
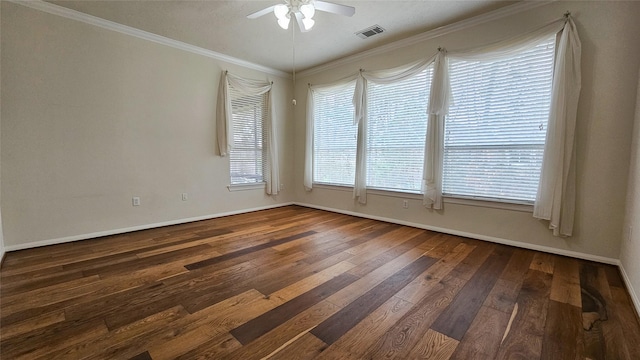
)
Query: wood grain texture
[{"x": 300, "y": 283}]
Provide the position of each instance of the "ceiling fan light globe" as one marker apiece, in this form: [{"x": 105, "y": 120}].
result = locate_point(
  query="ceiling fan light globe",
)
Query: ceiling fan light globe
[
  {"x": 308, "y": 23},
  {"x": 308, "y": 10},
  {"x": 284, "y": 22},
  {"x": 281, "y": 11}
]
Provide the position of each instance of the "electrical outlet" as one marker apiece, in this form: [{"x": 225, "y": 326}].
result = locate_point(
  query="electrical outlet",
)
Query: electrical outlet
[
  {"x": 281, "y": 187},
  {"x": 135, "y": 201},
  {"x": 405, "y": 204},
  {"x": 185, "y": 196},
  {"x": 630, "y": 235}
]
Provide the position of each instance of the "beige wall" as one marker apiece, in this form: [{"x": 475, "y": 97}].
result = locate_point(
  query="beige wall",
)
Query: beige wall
[
  {"x": 630, "y": 254},
  {"x": 92, "y": 117},
  {"x": 611, "y": 55}
]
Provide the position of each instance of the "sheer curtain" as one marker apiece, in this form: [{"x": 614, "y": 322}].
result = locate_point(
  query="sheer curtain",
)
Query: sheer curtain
[
  {"x": 439, "y": 100},
  {"x": 556, "y": 196},
  {"x": 224, "y": 126}
]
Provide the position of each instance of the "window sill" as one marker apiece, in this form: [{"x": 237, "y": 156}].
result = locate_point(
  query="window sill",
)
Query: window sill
[
  {"x": 458, "y": 200},
  {"x": 244, "y": 187}
]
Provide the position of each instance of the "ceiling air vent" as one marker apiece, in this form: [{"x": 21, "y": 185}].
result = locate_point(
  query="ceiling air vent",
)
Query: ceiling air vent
[{"x": 370, "y": 31}]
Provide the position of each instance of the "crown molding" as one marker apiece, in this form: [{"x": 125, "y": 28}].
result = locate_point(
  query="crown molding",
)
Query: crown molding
[
  {"x": 128, "y": 30},
  {"x": 431, "y": 34}
]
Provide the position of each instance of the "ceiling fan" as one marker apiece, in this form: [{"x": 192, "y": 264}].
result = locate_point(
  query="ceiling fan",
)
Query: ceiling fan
[{"x": 303, "y": 11}]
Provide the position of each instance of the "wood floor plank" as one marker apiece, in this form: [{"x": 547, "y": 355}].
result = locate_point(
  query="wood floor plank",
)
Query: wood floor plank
[
  {"x": 543, "y": 262},
  {"x": 272, "y": 340},
  {"x": 300, "y": 283},
  {"x": 563, "y": 333},
  {"x": 367, "y": 282},
  {"x": 358, "y": 340},
  {"x": 628, "y": 318},
  {"x": 456, "y": 319},
  {"x": 335, "y": 247},
  {"x": 483, "y": 338},
  {"x": 365, "y": 266},
  {"x": 24, "y": 346},
  {"x": 245, "y": 251},
  {"x": 312, "y": 281},
  {"x": 408, "y": 331},
  {"x": 30, "y": 324},
  {"x": 266, "y": 322},
  {"x": 423, "y": 285},
  {"x": 504, "y": 293},
  {"x": 565, "y": 287},
  {"x": 135, "y": 333},
  {"x": 524, "y": 338},
  {"x": 615, "y": 346},
  {"x": 435, "y": 346},
  {"x": 593, "y": 314},
  {"x": 306, "y": 347},
  {"x": 337, "y": 325}
]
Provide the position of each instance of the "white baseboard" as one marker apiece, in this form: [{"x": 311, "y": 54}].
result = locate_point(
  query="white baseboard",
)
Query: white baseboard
[
  {"x": 547, "y": 249},
  {"x": 632, "y": 292},
  {"x": 134, "y": 228}
]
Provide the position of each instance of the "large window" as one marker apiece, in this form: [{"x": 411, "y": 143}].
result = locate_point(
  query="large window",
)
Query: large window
[
  {"x": 334, "y": 136},
  {"x": 494, "y": 135},
  {"x": 396, "y": 130},
  {"x": 495, "y": 131},
  {"x": 247, "y": 157}
]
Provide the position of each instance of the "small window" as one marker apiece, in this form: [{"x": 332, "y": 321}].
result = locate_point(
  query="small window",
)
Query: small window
[
  {"x": 334, "y": 137},
  {"x": 496, "y": 128},
  {"x": 247, "y": 157}
]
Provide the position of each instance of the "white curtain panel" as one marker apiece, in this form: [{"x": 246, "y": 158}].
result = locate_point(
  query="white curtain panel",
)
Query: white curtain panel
[
  {"x": 439, "y": 100},
  {"x": 309, "y": 145},
  {"x": 556, "y": 197},
  {"x": 224, "y": 126}
]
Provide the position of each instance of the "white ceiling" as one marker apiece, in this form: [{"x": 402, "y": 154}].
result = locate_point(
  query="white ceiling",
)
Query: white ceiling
[{"x": 222, "y": 26}]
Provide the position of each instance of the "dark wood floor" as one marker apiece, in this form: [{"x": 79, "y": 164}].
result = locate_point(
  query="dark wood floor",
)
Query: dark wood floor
[{"x": 298, "y": 283}]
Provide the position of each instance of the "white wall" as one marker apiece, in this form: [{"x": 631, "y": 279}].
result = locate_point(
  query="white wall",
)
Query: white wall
[
  {"x": 630, "y": 253},
  {"x": 610, "y": 59},
  {"x": 92, "y": 117}
]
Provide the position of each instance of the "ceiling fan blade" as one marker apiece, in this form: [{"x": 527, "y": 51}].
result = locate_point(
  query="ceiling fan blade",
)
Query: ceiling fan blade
[
  {"x": 262, "y": 12},
  {"x": 334, "y": 8},
  {"x": 299, "y": 18}
]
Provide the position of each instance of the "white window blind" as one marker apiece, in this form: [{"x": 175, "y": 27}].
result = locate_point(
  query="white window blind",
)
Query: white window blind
[
  {"x": 396, "y": 130},
  {"x": 334, "y": 137},
  {"x": 496, "y": 128},
  {"x": 247, "y": 157}
]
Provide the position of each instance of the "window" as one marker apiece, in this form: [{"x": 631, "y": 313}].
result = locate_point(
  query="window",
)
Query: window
[
  {"x": 496, "y": 128},
  {"x": 334, "y": 136},
  {"x": 396, "y": 130},
  {"x": 247, "y": 157}
]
